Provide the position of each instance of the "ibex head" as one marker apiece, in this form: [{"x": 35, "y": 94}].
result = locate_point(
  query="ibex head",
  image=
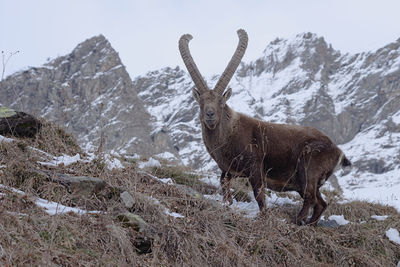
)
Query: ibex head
[{"x": 212, "y": 102}]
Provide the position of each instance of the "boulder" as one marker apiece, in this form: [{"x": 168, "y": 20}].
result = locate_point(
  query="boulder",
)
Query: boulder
[
  {"x": 132, "y": 220},
  {"x": 17, "y": 123},
  {"x": 127, "y": 199}
]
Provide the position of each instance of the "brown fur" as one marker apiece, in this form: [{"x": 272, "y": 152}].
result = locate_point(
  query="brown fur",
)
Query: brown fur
[{"x": 280, "y": 157}]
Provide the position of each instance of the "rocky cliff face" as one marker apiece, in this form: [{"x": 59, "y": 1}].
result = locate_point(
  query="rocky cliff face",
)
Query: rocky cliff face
[{"x": 90, "y": 92}]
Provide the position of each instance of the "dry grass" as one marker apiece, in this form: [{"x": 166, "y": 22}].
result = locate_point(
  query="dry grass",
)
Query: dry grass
[{"x": 208, "y": 235}]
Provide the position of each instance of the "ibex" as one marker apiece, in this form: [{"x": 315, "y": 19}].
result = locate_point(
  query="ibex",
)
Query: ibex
[{"x": 281, "y": 157}]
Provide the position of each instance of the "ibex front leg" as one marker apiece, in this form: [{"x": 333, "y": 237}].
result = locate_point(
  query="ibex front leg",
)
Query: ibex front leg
[
  {"x": 226, "y": 187},
  {"x": 258, "y": 185}
]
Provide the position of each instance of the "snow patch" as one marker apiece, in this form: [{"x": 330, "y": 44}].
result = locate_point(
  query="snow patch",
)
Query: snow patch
[
  {"x": 166, "y": 180},
  {"x": 5, "y": 139},
  {"x": 166, "y": 210},
  {"x": 251, "y": 209},
  {"x": 393, "y": 235},
  {"x": 51, "y": 208},
  {"x": 150, "y": 163},
  {"x": 64, "y": 159},
  {"x": 166, "y": 155},
  {"x": 396, "y": 118},
  {"x": 379, "y": 218},
  {"x": 112, "y": 162},
  {"x": 339, "y": 219},
  {"x": 211, "y": 180}
]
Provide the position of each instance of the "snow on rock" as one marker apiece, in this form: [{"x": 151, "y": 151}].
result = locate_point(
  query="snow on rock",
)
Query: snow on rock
[
  {"x": 393, "y": 235},
  {"x": 173, "y": 214},
  {"x": 64, "y": 159},
  {"x": 165, "y": 180},
  {"x": 150, "y": 163},
  {"x": 251, "y": 209},
  {"x": 5, "y": 139},
  {"x": 166, "y": 210},
  {"x": 211, "y": 180},
  {"x": 339, "y": 219},
  {"x": 379, "y": 218},
  {"x": 52, "y": 208},
  {"x": 112, "y": 162},
  {"x": 162, "y": 180},
  {"x": 166, "y": 155},
  {"x": 12, "y": 189}
]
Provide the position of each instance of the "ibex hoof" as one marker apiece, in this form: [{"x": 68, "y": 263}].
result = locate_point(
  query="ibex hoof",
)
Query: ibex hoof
[{"x": 300, "y": 222}]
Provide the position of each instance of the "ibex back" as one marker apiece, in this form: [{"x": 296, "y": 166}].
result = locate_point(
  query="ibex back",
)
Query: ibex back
[{"x": 280, "y": 157}]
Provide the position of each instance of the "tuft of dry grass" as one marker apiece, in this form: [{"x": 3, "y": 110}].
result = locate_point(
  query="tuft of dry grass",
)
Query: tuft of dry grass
[{"x": 209, "y": 234}]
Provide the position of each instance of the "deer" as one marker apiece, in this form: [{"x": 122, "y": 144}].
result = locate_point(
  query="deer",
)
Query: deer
[{"x": 280, "y": 157}]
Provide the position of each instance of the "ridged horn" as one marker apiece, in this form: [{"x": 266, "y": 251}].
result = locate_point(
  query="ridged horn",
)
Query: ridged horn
[
  {"x": 189, "y": 62},
  {"x": 234, "y": 63}
]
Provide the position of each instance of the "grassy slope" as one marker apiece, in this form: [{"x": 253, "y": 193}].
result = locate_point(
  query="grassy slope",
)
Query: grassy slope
[{"x": 209, "y": 234}]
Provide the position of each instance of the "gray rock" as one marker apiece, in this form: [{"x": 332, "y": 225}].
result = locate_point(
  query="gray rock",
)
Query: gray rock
[
  {"x": 81, "y": 184},
  {"x": 127, "y": 199},
  {"x": 19, "y": 124},
  {"x": 133, "y": 220}
]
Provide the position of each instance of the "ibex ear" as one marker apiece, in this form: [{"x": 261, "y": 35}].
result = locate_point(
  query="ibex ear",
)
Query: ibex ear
[
  {"x": 196, "y": 94},
  {"x": 227, "y": 94}
]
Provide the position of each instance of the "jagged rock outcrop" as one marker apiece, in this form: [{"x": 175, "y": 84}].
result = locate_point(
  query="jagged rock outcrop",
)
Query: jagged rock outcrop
[{"x": 90, "y": 92}]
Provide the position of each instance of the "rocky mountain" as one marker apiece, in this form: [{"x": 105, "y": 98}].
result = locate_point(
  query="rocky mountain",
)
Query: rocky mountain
[
  {"x": 354, "y": 98},
  {"x": 89, "y": 92}
]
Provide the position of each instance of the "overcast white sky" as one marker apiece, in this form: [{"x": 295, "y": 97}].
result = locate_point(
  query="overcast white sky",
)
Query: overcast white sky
[{"x": 146, "y": 33}]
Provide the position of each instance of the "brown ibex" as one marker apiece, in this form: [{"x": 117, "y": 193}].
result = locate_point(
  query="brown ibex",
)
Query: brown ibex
[{"x": 281, "y": 157}]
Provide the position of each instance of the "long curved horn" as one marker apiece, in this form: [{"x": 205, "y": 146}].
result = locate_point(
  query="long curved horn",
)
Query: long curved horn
[
  {"x": 189, "y": 62},
  {"x": 234, "y": 63}
]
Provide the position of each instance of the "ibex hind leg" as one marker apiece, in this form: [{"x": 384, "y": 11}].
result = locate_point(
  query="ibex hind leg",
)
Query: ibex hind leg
[
  {"x": 307, "y": 191},
  {"x": 317, "y": 173},
  {"x": 319, "y": 208}
]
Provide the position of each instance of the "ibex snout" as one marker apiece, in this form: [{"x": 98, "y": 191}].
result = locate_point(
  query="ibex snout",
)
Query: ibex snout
[
  {"x": 210, "y": 118},
  {"x": 210, "y": 115}
]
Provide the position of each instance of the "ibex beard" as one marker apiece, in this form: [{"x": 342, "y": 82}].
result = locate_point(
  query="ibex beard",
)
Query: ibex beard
[{"x": 281, "y": 157}]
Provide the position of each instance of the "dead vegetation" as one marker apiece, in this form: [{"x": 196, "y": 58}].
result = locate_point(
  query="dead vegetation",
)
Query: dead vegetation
[{"x": 209, "y": 234}]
